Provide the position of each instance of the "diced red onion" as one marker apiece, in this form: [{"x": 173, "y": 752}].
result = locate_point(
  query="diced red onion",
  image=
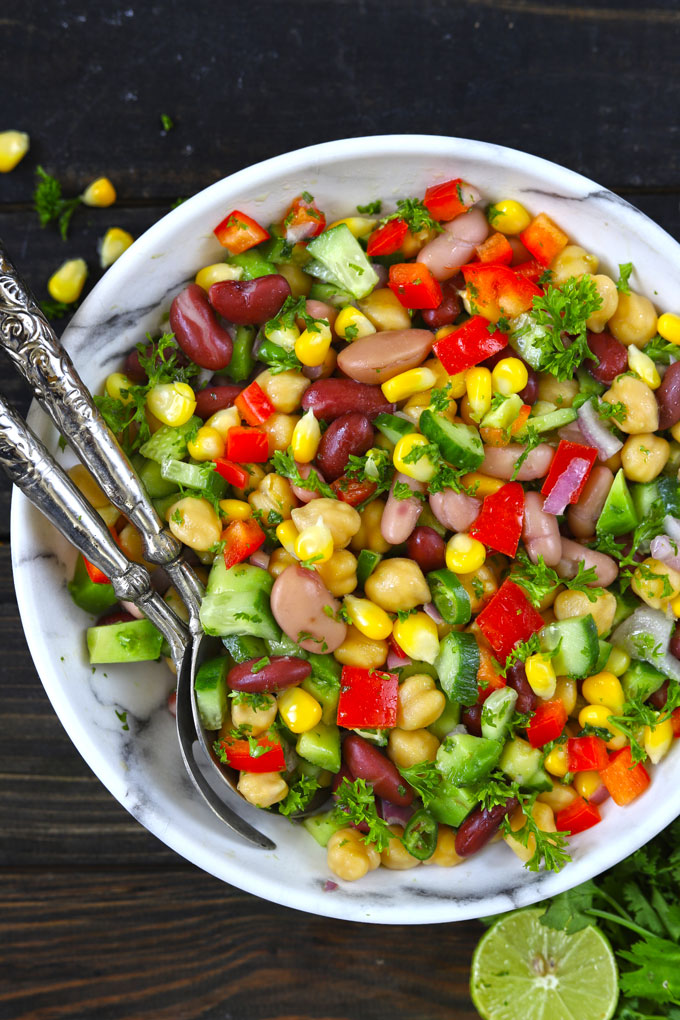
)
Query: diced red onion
[
  {"x": 665, "y": 549},
  {"x": 596, "y": 433},
  {"x": 330, "y": 886},
  {"x": 395, "y": 661},
  {"x": 260, "y": 559},
  {"x": 600, "y": 795},
  {"x": 433, "y": 612},
  {"x": 394, "y": 814},
  {"x": 557, "y": 499},
  {"x": 382, "y": 273}
]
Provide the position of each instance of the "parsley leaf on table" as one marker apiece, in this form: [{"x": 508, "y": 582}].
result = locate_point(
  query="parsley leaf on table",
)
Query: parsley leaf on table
[{"x": 50, "y": 204}]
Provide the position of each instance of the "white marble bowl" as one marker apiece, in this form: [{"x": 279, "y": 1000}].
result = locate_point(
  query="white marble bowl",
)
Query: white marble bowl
[{"x": 141, "y": 766}]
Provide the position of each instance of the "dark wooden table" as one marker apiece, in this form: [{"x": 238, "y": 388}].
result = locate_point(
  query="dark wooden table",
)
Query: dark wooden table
[{"x": 97, "y": 918}]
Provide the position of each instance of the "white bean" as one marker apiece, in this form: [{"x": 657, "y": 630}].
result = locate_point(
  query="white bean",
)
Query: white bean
[
  {"x": 306, "y": 495},
  {"x": 606, "y": 569},
  {"x": 500, "y": 461},
  {"x": 472, "y": 226},
  {"x": 540, "y": 531},
  {"x": 455, "y": 510},
  {"x": 400, "y": 516}
]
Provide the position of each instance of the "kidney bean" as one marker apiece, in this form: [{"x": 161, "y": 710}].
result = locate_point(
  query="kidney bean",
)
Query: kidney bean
[
  {"x": 350, "y": 434},
  {"x": 582, "y": 517},
  {"x": 197, "y": 331},
  {"x": 319, "y": 310},
  {"x": 249, "y": 302},
  {"x": 455, "y": 510},
  {"x": 365, "y": 761},
  {"x": 480, "y": 825},
  {"x": 298, "y": 598},
  {"x": 517, "y": 679},
  {"x": 674, "y": 645},
  {"x": 668, "y": 397},
  {"x": 427, "y": 547},
  {"x": 540, "y": 531},
  {"x": 215, "y": 398},
  {"x": 613, "y": 357},
  {"x": 114, "y": 616},
  {"x": 445, "y": 255},
  {"x": 281, "y": 672},
  {"x": 134, "y": 370},
  {"x": 606, "y": 569},
  {"x": 306, "y": 495},
  {"x": 529, "y": 394},
  {"x": 400, "y": 516},
  {"x": 472, "y": 720},
  {"x": 376, "y": 358},
  {"x": 500, "y": 461},
  {"x": 659, "y": 698},
  {"x": 448, "y": 310},
  {"x": 329, "y": 398}
]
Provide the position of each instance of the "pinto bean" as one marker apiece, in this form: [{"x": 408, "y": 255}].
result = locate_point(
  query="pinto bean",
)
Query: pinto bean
[
  {"x": 500, "y": 461},
  {"x": 583, "y": 515},
  {"x": 197, "y": 331},
  {"x": 329, "y": 398},
  {"x": 400, "y": 516},
  {"x": 480, "y": 825},
  {"x": 455, "y": 510},
  {"x": 376, "y": 358},
  {"x": 427, "y": 547},
  {"x": 612, "y": 355},
  {"x": 306, "y": 495},
  {"x": 215, "y": 398},
  {"x": 517, "y": 679},
  {"x": 365, "y": 761},
  {"x": 540, "y": 531},
  {"x": 320, "y": 310},
  {"x": 249, "y": 302},
  {"x": 350, "y": 434},
  {"x": 282, "y": 671},
  {"x": 445, "y": 312},
  {"x": 668, "y": 397},
  {"x": 606, "y": 569},
  {"x": 445, "y": 255},
  {"x": 298, "y": 599}
]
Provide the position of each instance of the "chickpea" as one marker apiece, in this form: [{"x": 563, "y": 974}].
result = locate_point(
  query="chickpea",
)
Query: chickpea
[
  {"x": 576, "y": 603},
  {"x": 396, "y": 857},
  {"x": 359, "y": 650},
  {"x": 609, "y": 296},
  {"x": 274, "y": 494},
  {"x": 566, "y": 691},
  {"x": 340, "y": 518},
  {"x": 560, "y": 392},
  {"x": 255, "y": 476},
  {"x": 561, "y": 796},
  {"x": 410, "y": 747},
  {"x": 634, "y": 321},
  {"x": 83, "y": 480},
  {"x": 385, "y": 310},
  {"x": 195, "y": 523},
  {"x": 262, "y": 788},
  {"x": 284, "y": 389},
  {"x": 416, "y": 404},
  {"x": 349, "y": 857},
  {"x": 179, "y": 607},
  {"x": 257, "y": 719},
  {"x": 130, "y": 541},
  {"x": 642, "y": 410},
  {"x": 397, "y": 584},
  {"x": 419, "y": 702},
  {"x": 656, "y": 583},
  {"x": 445, "y": 855},
  {"x": 543, "y": 815},
  {"x": 279, "y": 427},
  {"x": 369, "y": 535},
  {"x": 412, "y": 243},
  {"x": 300, "y": 283},
  {"x": 644, "y": 456},
  {"x": 339, "y": 573},
  {"x": 480, "y": 585},
  {"x": 278, "y": 561},
  {"x": 572, "y": 261}
]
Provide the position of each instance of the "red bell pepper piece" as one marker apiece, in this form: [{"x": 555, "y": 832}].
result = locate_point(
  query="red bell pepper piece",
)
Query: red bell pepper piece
[
  {"x": 266, "y": 756},
  {"x": 237, "y": 232},
  {"x": 547, "y": 723},
  {"x": 414, "y": 285},
  {"x": 624, "y": 778},
  {"x": 241, "y": 539},
  {"x": 447, "y": 200},
  {"x": 585, "y": 754},
  {"x": 496, "y": 249},
  {"x": 533, "y": 270},
  {"x": 496, "y": 290},
  {"x": 568, "y": 474},
  {"x": 232, "y": 473},
  {"x": 468, "y": 345},
  {"x": 543, "y": 239},
  {"x": 96, "y": 575},
  {"x": 254, "y": 405},
  {"x": 303, "y": 219},
  {"x": 387, "y": 239},
  {"x": 675, "y": 722},
  {"x": 394, "y": 647},
  {"x": 488, "y": 679},
  {"x": 577, "y": 817},
  {"x": 500, "y": 521},
  {"x": 508, "y": 619},
  {"x": 368, "y": 698},
  {"x": 353, "y": 490},
  {"x": 247, "y": 446}
]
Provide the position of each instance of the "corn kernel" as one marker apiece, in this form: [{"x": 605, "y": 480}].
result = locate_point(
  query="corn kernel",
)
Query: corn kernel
[
  {"x": 657, "y": 740},
  {"x": 224, "y": 420},
  {"x": 541, "y": 677},
  {"x": 508, "y": 216},
  {"x": 360, "y": 226},
  {"x": 587, "y": 783},
  {"x": 483, "y": 485},
  {"x": 643, "y": 367},
  {"x": 100, "y": 194},
  {"x": 444, "y": 331},
  {"x": 115, "y": 385},
  {"x": 112, "y": 245},
  {"x": 67, "y": 283},
  {"x": 556, "y": 761},
  {"x": 598, "y": 715},
  {"x": 509, "y": 375},
  {"x": 479, "y": 391},
  {"x": 464, "y": 554},
  {"x": 604, "y": 689},
  {"x": 404, "y": 385},
  {"x": 235, "y": 509},
  {"x": 298, "y": 709},
  {"x": 567, "y": 692},
  {"x": 311, "y": 347},
  {"x": 418, "y": 637},
  {"x": 13, "y": 147},
  {"x": 315, "y": 543},
  {"x": 369, "y": 619},
  {"x": 675, "y": 605},
  {"x": 351, "y": 324},
  {"x": 669, "y": 327},
  {"x": 171, "y": 403},
  {"x": 306, "y": 438},
  {"x": 207, "y": 444},
  {"x": 457, "y": 385},
  {"x": 422, "y": 469},
  {"x": 286, "y": 532},
  {"x": 618, "y": 661},
  {"x": 216, "y": 273}
]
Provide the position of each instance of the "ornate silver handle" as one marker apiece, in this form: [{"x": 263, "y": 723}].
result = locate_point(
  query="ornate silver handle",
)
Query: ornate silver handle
[
  {"x": 31, "y": 344},
  {"x": 31, "y": 468}
]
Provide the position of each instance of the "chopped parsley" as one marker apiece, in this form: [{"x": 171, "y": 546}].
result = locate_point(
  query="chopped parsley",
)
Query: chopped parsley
[
  {"x": 371, "y": 208},
  {"x": 564, "y": 310},
  {"x": 50, "y": 204},
  {"x": 415, "y": 214},
  {"x": 284, "y": 464},
  {"x": 625, "y": 269},
  {"x": 299, "y": 796},
  {"x": 355, "y": 802},
  {"x": 531, "y": 438},
  {"x": 538, "y": 579},
  {"x": 167, "y": 122}
]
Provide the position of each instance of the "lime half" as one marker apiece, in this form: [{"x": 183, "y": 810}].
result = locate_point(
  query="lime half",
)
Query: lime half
[{"x": 522, "y": 970}]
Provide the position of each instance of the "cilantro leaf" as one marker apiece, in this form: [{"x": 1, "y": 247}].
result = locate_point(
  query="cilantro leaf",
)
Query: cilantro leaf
[{"x": 538, "y": 579}]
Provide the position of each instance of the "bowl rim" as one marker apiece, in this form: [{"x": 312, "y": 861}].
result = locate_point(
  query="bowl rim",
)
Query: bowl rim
[{"x": 320, "y": 155}]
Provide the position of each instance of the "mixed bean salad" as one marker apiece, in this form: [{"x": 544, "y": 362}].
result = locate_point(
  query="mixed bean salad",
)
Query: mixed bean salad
[{"x": 428, "y": 463}]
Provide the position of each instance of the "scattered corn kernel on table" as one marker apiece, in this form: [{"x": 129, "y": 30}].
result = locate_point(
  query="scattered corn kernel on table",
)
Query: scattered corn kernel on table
[{"x": 98, "y": 918}]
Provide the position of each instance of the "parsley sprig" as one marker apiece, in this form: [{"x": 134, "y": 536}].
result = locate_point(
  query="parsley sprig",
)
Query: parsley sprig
[
  {"x": 415, "y": 214},
  {"x": 355, "y": 802},
  {"x": 564, "y": 310},
  {"x": 50, "y": 204},
  {"x": 538, "y": 579},
  {"x": 648, "y": 528},
  {"x": 284, "y": 464}
]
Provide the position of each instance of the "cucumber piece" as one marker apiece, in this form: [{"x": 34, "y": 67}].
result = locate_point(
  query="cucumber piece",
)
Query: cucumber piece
[
  {"x": 618, "y": 514},
  {"x": 549, "y": 421},
  {"x": 321, "y": 746},
  {"x": 88, "y": 595},
  {"x": 131, "y": 641},
  {"x": 331, "y": 294},
  {"x": 163, "y": 504},
  {"x": 283, "y": 645},
  {"x": 447, "y": 721},
  {"x": 502, "y": 417},
  {"x": 540, "y": 780},
  {"x": 170, "y": 441},
  {"x": 578, "y": 645},
  {"x": 325, "y": 668},
  {"x": 643, "y": 495},
  {"x": 497, "y": 712},
  {"x": 520, "y": 761},
  {"x": 322, "y": 826},
  {"x": 342, "y": 260},
  {"x": 416, "y": 668},
  {"x": 194, "y": 476},
  {"x": 457, "y": 664},
  {"x": 640, "y": 680},
  {"x": 451, "y": 804},
  {"x": 149, "y": 472},
  {"x": 669, "y": 492},
  {"x": 449, "y": 596},
  {"x": 465, "y": 759},
  {"x": 234, "y": 580},
  {"x": 626, "y": 604},
  {"x": 237, "y": 602},
  {"x": 367, "y": 561},
  {"x": 392, "y": 427},
  {"x": 588, "y": 384},
  {"x": 253, "y": 263},
  {"x": 242, "y": 647},
  {"x": 459, "y": 444},
  {"x": 326, "y": 694},
  {"x": 210, "y": 688},
  {"x": 604, "y": 648}
]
